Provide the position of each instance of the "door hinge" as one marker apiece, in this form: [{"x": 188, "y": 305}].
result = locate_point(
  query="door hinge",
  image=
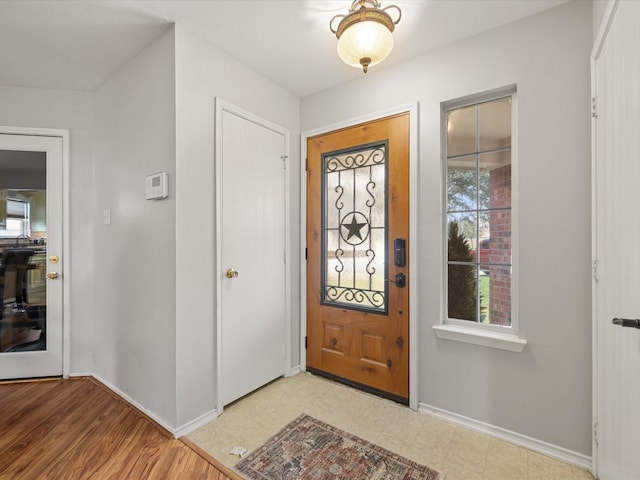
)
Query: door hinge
[
  {"x": 284, "y": 161},
  {"x": 595, "y": 433},
  {"x": 306, "y": 164},
  {"x": 594, "y": 107},
  {"x": 305, "y": 253},
  {"x": 594, "y": 270},
  {"x": 284, "y": 257},
  {"x": 306, "y": 342}
]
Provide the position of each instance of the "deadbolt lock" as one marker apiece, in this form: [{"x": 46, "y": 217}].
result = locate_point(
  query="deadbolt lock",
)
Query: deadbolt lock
[{"x": 53, "y": 259}]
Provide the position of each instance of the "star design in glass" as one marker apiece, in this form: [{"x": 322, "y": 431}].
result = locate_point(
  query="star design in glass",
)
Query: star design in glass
[{"x": 353, "y": 228}]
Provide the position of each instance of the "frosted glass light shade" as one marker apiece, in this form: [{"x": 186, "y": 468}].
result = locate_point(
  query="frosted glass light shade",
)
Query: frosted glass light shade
[
  {"x": 365, "y": 34},
  {"x": 365, "y": 44}
]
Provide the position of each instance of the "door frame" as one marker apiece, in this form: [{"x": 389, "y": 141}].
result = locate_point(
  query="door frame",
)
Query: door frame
[
  {"x": 220, "y": 107},
  {"x": 66, "y": 250},
  {"x": 412, "y": 109},
  {"x": 598, "y": 46}
]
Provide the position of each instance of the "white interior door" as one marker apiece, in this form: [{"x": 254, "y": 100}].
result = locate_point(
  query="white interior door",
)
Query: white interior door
[
  {"x": 250, "y": 161},
  {"x": 617, "y": 246},
  {"x": 31, "y": 328}
]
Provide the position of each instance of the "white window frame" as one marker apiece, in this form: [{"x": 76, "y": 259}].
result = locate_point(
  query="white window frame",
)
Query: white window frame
[{"x": 496, "y": 336}]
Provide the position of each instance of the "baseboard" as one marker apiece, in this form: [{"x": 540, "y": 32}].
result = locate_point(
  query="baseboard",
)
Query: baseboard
[
  {"x": 560, "y": 453},
  {"x": 170, "y": 430},
  {"x": 294, "y": 371},
  {"x": 185, "y": 429},
  {"x": 196, "y": 423}
]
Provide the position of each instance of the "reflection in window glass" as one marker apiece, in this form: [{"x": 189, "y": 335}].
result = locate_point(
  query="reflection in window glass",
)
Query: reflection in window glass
[{"x": 23, "y": 254}]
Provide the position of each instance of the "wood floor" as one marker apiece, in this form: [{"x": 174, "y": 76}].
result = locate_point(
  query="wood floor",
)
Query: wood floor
[{"x": 78, "y": 429}]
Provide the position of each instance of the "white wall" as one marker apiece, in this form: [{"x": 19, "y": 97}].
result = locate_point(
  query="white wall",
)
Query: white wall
[
  {"x": 134, "y": 257},
  {"x": 154, "y": 293},
  {"x": 545, "y": 391},
  {"x": 599, "y": 7},
  {"x": 28, "y": 107},
  {"x": 143, "y": 286},
  {"x": 202, "y": 74}
]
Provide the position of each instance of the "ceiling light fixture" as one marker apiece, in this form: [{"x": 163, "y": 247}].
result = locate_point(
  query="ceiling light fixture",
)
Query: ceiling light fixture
[{"x": 365, "y": 33}]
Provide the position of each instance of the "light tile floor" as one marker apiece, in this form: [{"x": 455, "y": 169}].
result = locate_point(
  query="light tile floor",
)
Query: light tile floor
[{"x": 458, "y": 452}]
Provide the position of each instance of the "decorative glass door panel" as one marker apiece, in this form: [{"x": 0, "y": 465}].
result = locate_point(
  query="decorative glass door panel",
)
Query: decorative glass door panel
[{"x": 354, "y": 220}]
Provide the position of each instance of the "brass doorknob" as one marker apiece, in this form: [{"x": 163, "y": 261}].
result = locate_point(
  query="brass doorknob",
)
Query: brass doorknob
[
  {"x": 231, "y": 273},
  {"x": 52, "y": 275}
]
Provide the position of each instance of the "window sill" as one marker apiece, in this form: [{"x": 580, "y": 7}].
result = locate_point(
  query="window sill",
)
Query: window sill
[{"x": 485, "y": 338}]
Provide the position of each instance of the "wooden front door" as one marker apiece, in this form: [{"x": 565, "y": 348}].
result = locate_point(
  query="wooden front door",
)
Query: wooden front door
[{"x": 357, "y": 255}]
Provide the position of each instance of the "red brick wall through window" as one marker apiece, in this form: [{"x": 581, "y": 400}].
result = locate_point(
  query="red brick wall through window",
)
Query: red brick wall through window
[{"x": 500, "y": 246}]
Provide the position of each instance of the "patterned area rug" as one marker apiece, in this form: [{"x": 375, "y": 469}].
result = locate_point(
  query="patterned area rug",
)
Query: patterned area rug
[{"x": 308, "y": 449}]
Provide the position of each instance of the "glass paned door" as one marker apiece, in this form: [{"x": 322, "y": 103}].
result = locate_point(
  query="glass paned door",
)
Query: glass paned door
[{"x": 30, "y": 256}]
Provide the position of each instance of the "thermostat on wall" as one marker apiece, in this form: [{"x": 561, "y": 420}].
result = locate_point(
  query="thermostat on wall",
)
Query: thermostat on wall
[{"x": 156, "y": 186}]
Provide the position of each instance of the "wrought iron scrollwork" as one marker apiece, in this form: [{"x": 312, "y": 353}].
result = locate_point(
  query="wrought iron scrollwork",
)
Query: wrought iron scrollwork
[
  {"x": 354, "y": 221},
  {"x": 372, "y": 156},
  {"x": 339, "y": 190},
  {"x": 353, "y": 295},
  {"x": 371, "y": 270},
  {"x": 371, "y": 201},
  {"x": 338, "y": 254}
]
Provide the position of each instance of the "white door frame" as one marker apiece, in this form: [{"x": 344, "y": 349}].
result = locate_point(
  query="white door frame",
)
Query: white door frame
[
  {"x": 598, "y": 45},
  {"x": 220, "y": 107},
  {"x": 66, "y": 250},
  {"x": 412, "y": 108}
]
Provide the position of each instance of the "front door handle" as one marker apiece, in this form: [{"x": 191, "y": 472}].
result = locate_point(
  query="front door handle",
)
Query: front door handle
[
  {"x": 400, "y": 280},
  {"x": 52, "y": 275},
  {"x": 626, "y": 322}
]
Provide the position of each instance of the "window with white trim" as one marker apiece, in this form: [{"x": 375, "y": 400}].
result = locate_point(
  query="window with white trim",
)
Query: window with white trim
[
  {"x": 477, "y": 140},
  {"x": 14, "y": 213}
]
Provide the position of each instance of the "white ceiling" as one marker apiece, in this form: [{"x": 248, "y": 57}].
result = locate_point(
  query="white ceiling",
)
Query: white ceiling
[{"x": 78, "y": 44}]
